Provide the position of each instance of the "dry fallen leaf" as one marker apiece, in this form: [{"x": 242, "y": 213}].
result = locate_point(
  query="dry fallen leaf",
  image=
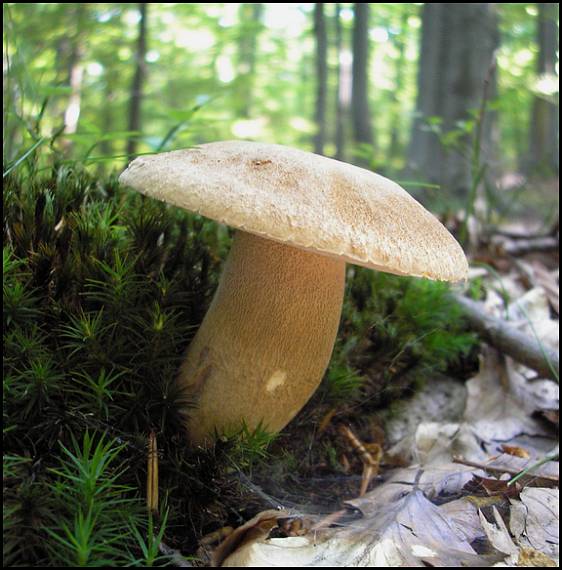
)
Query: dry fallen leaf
[
  {"x": 412, "y": 519},
  {"x": 515, "y": 450},
  {"x": 498, "y": 413},
  {"x": 253, "y": 530},
  {"x": 539, "y": 275},
  {"x": 534, "y": 520},
  {"x": 412, "y": 531},
  {"x": 499, "y": 536},
  {"x": 398, "y": 525},
  {"x": 532, "y": 557},
  {"x": 488, "y": 487}
]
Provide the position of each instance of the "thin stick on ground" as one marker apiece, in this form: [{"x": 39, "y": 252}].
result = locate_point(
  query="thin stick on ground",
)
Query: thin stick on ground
[
  {"x": 370, "y": 463},
  {"x": 500, "y": 469}
]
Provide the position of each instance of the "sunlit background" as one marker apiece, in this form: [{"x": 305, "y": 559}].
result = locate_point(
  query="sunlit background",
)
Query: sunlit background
[{"x": 218, "y": 71}]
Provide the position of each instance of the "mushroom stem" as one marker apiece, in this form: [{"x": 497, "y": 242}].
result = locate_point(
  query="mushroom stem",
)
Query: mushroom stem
[{"x": 266, "y": 340}]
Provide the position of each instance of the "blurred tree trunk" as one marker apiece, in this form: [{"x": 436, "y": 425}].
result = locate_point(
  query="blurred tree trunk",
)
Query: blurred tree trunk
[
  {"x": 321, "y": 77},
  {"x": 361, "y": 116},
  {"x": 250, "y": 17},
  {"x": 106, "y": 146},
  {"x": 395, "y": 148},
  {"x": 339, "y": 133},
  {"x": 138, "y": 81},
  {"x": 10, "y": 94},
  {"x": 342, "y": 86},
  {"x": 544, "y": 121},
  {"x": 457, "y": 53},
  {"x": 424, "y": 154},
  {"x": 75, "y": 71}
]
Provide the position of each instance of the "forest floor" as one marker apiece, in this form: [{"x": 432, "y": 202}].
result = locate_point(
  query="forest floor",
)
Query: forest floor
[
  {"x": 412, "y": 451},
  {"x": 440, "y": 479}
]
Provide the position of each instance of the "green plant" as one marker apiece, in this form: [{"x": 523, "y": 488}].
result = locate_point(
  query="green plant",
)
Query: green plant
[
  {"x": 102, "y": 292},
  {"x": 92, "y": 506},
  {"x": 247, "y": 447},
  {"x": 149, "y": 542},
  {"x": 393, "y": 327}
]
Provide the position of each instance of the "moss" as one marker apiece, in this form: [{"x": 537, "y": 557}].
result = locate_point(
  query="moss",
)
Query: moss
[
  {"x": 393, "y": 330},
  {"x": 102, "y": 291}
]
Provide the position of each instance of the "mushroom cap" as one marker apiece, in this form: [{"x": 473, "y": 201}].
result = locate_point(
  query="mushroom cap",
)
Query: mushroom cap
[{"x": 304, "y": 200}]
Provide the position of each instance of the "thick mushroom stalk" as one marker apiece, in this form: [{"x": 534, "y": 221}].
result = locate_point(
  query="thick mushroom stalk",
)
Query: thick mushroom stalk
[{"x": 266, "y": 340}]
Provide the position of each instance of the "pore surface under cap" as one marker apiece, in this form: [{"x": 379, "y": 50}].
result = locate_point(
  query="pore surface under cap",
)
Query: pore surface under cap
[{"x": 305, "y": 200}]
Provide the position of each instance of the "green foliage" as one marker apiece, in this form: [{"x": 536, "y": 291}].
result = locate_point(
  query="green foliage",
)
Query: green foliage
[
  {"x": 92, "y": 505},
  {"x": 392, "y": 327},
  {"x": 73, "y": 514},
  {"x": 149, "y": 542},
  {"x": 247, "y": 447},
  {"x": 342, "y": 381},
  {"x": 217, "y": 72},
  {"x": 102, "y": 291}
]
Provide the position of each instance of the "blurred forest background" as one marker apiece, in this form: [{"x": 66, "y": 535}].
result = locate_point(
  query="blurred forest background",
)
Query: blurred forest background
[
  {"x": 103, "y": 289},
  {"x": 440, "y": 96}
]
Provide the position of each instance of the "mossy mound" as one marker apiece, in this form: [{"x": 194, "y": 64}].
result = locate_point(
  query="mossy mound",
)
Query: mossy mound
[{"x": 103, "y": 290}]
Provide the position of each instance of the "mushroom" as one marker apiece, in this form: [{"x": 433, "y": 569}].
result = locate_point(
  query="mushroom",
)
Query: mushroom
[{"x": 266, "y": 340}]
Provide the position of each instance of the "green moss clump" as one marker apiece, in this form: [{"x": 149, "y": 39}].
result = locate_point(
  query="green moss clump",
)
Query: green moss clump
[
  {"x": 394, "y": 331},
  {"x": 102, "y": 292}
]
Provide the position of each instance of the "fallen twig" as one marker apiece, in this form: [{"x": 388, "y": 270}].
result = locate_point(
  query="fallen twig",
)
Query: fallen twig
[
  {"x": 152, "y": 474},
  {"x": 531, "y": 245},
  {"x": 370, "y": 463},
  {"x": 525, "y": 349},
  {"x": 514, "y": 234},
  {"x": 502, "y": 469}
]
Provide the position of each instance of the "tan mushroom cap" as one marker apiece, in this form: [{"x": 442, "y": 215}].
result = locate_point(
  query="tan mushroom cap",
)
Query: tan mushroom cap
[{"x": 304, "y": 200}]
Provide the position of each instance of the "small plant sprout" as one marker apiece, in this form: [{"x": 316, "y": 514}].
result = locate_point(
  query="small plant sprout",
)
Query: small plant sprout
[{"x": 267, "y": 338}]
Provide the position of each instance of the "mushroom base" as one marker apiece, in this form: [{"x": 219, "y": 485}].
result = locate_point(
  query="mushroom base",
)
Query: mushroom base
[{"x": 266, "y": 340}]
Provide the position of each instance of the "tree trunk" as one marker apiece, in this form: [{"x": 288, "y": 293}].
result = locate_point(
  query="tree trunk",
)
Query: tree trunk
[
  {"x": 321, "y": 77},
  {"x": 424, "y": 157},
  {"x": 457, "y": 50},
  {"x": 361, "y": 116},
  {"x": 395, "y": 148},
  {"x": 75, "y": 74},
  {"x": 342, "y": 86},
  {"x": 250, "y": 16},
  {"x": 108, "y": 119},
  {"x": 138, "y": 82},
  {"x": 544, "y": 122}
]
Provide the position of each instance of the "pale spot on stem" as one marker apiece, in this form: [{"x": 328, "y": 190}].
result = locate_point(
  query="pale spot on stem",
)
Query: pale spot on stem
[{"x": 275, "y": 380}]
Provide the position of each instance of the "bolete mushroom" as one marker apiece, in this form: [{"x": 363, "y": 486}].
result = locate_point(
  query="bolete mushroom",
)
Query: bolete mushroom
[{"x": 266, "y": 341}]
